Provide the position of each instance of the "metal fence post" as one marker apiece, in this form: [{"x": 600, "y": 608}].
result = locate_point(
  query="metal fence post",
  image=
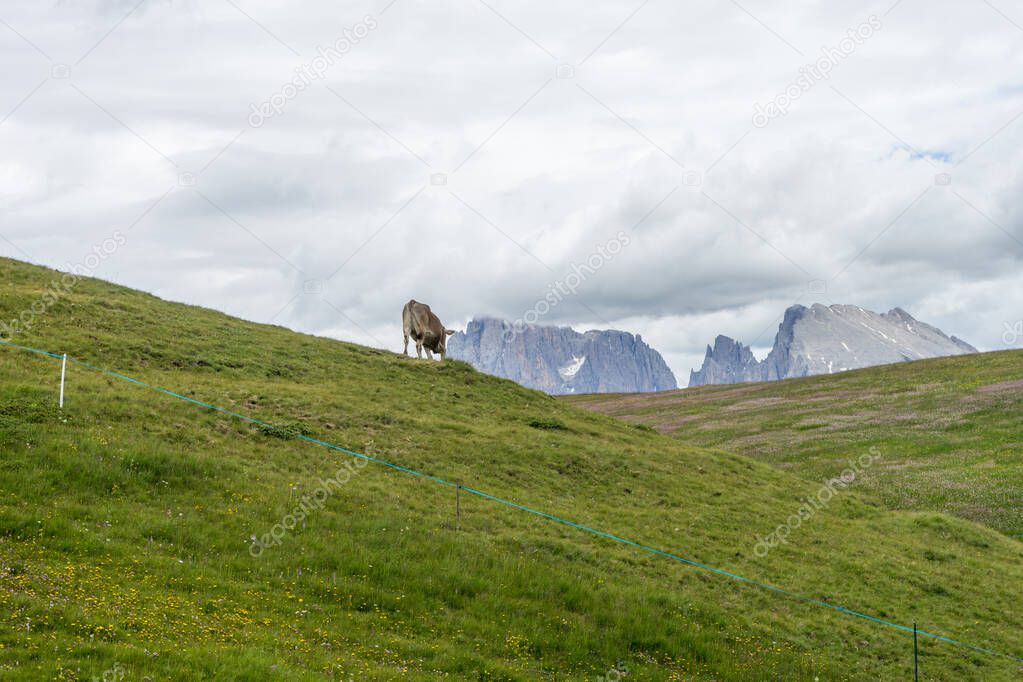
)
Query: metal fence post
[
  {"x": 916, "y": 667},
  {"x": 63, "y": 373}
]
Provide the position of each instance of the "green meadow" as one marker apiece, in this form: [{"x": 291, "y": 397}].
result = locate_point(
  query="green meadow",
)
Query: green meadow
[
  {"x": 127, "y": 520},
  {"x": 949, "y": 430}
]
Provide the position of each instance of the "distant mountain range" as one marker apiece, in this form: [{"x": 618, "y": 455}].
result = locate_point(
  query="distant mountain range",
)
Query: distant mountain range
[
  {"x": 560, "y": 360},
  {"x": 826, "y": 339}
]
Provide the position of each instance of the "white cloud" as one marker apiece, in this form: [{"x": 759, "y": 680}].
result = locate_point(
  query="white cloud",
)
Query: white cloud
[{"x": 539, "y": 169}]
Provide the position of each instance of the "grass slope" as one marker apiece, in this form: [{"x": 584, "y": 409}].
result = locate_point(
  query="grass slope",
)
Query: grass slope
[
  {"x": 949, "y": 429},
  {"x": 125, "y": 526}
]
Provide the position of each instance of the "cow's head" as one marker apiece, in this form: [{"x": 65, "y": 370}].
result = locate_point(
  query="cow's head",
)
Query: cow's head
[
  {"x": 442, "y": 344},
  {"x": 438, "y": 344}
]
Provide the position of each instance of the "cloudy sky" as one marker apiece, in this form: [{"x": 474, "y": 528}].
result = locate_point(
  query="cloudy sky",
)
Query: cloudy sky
[{"x": 317, "y": 164}]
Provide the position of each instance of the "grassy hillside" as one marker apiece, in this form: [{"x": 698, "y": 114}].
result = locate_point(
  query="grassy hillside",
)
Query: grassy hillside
[
  {"x": 950, "y": 430},
  {"x": 126, "y": 526}
]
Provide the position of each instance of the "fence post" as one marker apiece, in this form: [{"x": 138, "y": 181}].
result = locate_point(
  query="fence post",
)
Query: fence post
[
  {"x": 458, "y": 506},
  {"x": 63, "y": 372},
  {"x": 916, "y": 668}
]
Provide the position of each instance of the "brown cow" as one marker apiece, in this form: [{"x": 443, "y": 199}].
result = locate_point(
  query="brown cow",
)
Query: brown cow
[{"x": 419, "y": 322}]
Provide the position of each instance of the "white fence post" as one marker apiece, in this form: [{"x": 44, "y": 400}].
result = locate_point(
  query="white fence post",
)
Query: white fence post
[{"x": 63, "y": 372}]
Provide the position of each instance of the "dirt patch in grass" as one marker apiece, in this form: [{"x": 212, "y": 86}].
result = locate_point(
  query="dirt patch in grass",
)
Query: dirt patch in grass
[
  {"x": 754, "y": 403},
  {"x": 717, "y": 392},
  {"x": 1002, "y": 386},
  {"x": 630, "y": 403},
  {"x": 672, "y": 424}
]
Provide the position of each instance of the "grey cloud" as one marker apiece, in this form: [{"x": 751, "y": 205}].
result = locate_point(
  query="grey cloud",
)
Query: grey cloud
[{"x": 556, "y": 174}]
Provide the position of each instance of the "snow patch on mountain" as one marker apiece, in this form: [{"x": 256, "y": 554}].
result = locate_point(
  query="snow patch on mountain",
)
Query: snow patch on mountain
[{"x": 572, "y": 368}]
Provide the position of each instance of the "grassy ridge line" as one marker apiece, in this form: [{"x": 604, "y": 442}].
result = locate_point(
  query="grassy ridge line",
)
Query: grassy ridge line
[
  {"x": 949, "y": 429},
  {"x": 550, "y": 603},
  {"x": 152, "y": 506},
  {"x": 549, "y": 517}
]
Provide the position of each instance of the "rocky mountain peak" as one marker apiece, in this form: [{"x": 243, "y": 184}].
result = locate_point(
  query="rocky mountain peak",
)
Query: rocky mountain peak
[
  {"x": 824, "y": 339},
  {"x": 560, "y": 360},
  {"x": 727, "y": 362}
]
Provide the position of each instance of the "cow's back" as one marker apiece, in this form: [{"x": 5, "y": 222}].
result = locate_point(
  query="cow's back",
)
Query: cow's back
[{"x": 415, "y": 318}]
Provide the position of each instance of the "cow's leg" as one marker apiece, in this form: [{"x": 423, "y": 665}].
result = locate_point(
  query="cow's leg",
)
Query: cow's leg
[
  {"x": 406, "y": 344},
  {"x": 419, "y": 348},
  {"x": 429, "y": 354}
]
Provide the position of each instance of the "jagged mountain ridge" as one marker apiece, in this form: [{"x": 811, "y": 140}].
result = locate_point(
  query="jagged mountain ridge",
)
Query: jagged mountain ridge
[
  {"x": 560, "y": 360},
  {"x": 825, "y": 339}
]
